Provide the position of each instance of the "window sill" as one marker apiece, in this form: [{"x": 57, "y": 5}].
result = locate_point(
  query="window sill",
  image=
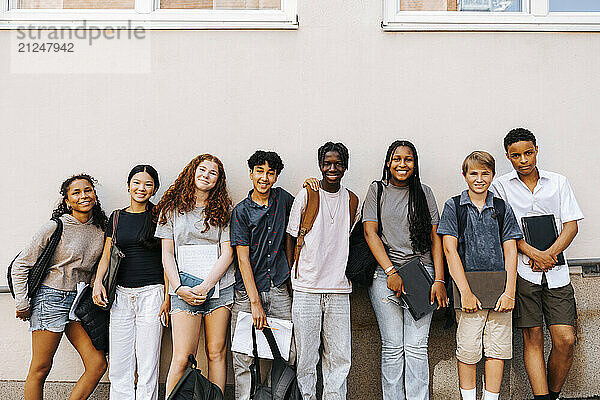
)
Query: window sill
[
  {"x": 159, "y": 19},
  {"x": 515, "y": 22},
  {"x": 145, "y": 24}
]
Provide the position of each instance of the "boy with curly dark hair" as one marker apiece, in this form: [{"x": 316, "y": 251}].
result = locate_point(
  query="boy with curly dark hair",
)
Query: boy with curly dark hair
[{"x": 257, "y": 231}]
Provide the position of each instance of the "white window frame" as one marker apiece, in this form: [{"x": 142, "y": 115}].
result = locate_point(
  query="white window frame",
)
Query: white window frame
[
  {"x": 147, "y": 14},
  {"x": 534, "y": 17}
]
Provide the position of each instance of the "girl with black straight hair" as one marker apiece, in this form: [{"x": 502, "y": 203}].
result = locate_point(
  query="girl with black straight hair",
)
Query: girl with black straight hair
[
  {"x": 409, "y": 218},
  {"x": 135, "y": 316},
  {"x": 73, "y": 261}
]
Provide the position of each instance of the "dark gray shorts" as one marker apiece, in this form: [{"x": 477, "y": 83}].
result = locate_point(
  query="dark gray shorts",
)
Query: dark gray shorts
[{"x": 534, "y": 303}]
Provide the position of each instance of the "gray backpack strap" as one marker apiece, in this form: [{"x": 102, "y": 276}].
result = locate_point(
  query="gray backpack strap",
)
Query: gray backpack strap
[
  {"x": 499, "y": 211},
  {"x": 461, "y": 216},
  {"x": 284, "y": 383}
]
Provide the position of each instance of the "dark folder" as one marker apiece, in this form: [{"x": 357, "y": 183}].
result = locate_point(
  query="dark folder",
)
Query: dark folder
[
  {"x": 540, "y": 232},
  {"x": 417, "y": 285},
  {"x": 487, "y": 286}
]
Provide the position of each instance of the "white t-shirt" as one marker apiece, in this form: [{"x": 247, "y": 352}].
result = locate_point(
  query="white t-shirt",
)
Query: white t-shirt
[
  {"x": 323, "y": 258},
  {"x": 551, "y": 195}
]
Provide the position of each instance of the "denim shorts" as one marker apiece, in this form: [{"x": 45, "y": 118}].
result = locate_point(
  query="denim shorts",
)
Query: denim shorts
[
  {"x": 225, "y": 299},
  {"x": 50, "y": 309}
]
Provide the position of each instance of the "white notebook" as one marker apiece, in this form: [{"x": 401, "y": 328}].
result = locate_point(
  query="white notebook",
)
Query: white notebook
[
  {"x": 242, "y": 337},
  {"x": 80, "y": 287}
]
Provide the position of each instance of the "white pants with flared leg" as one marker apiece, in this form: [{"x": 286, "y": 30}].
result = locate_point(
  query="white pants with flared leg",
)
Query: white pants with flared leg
[{"x": 134, "y": 339}]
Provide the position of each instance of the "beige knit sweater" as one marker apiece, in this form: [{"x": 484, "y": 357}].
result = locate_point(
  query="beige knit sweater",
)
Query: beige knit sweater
[{"x": 76, "y": 255}]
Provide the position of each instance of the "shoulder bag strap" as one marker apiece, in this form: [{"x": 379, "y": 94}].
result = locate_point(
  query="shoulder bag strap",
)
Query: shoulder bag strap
[
  {"x": 109, "y": 279},
  {"x": 40, "y": 270},
  {"x": 308, "y": 219},
  {"x": 272, "y": 343},
  {"x": 461, "y": 220},
  {"x": 379, "y": 193},
  {"x": 353, "y": 199},
  {"x": 56, "y": 235},
  {"x": 281, "y": 387},
  {"x": 255, "y": 367},
  {"x": 500, "y": 210},
  {"x": 114, "y": 227},
  {"x": 192, "y": 360},
  {"x": 55, "y": 238},
  {"x": 461, "y": 216}
]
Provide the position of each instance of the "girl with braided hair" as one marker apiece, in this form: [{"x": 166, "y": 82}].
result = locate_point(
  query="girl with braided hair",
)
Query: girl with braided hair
[
  {"x": 195, "y": 210},
  {"x": 409, "y": 218},
  {"x": 73, "y": 261}
]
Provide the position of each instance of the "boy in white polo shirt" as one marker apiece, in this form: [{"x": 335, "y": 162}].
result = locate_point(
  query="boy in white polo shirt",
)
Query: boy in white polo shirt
[
  {"x": 321, "y": 301},
  {"x": 544, "y": 290}
]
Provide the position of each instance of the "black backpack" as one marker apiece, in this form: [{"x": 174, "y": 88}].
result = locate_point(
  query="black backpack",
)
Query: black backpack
[
  {"x": 361, "y": 264},
  {"x": 194, "y": 386},
  {"x": 283, "y": 376},
  {"x": 39, "y": 270}
]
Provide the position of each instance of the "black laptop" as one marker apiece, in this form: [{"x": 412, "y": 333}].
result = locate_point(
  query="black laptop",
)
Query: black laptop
[
  {"x": 487, "y": 286},
  {"x": 540, "y": 232},
  {"x": 417, "y": 285}
]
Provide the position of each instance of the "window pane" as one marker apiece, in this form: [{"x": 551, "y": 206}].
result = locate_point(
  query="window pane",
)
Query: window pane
[
  {"x": 76, "y": 4},
  {"x": 223, "y": 4},
  {"x": 186, "y": 4},
  {"x": 461, "y": 5},
  {"x": 248, "y": 4},
  {"x": 575, "y": 5}
]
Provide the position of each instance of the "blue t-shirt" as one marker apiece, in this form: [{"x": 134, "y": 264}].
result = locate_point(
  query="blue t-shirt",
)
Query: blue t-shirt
[{"x": 482, "y": 241}]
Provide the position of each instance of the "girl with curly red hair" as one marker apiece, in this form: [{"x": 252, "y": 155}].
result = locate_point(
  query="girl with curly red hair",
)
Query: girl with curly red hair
[{"x": 195, "y": 210}]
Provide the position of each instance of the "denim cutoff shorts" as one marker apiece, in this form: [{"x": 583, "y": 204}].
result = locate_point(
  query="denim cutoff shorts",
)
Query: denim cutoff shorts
[
  {"x": 225, "y": 299},
  {"x": 50, "y": 309}
]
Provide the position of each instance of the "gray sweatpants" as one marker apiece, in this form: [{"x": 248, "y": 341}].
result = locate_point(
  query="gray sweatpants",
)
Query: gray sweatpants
[
  {"x": 276, "y": 303},
  {"x": 323, "y": 316}
]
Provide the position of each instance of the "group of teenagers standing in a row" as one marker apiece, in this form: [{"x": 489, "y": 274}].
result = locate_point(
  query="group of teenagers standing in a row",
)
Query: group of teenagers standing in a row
[{"x": 313, "y": 290}]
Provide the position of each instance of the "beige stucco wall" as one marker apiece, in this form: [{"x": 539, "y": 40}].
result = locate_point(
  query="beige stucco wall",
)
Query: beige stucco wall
[{"x": 338, "y": 77}]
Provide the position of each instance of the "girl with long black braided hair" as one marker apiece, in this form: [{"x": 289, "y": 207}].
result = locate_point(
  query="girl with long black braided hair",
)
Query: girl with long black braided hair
[{"x": 409, "y": 218}]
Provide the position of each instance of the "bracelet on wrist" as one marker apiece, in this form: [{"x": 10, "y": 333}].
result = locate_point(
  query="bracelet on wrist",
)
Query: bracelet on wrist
[
  {"x": 504, "y": 294},
  {"x": 440, "y": 281},
  {"x": 178, "y": 287},
  {"x": 388, "y": 269},
  {"x": 390, "y": 274}
]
